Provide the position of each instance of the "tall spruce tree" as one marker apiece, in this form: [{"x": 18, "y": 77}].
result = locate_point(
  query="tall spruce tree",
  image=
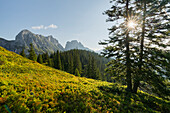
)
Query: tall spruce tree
[
  {"x": 57, "y": 61},
  {"x": 39, "y": 59},
  {"x": 77, "y": 62},
  {"x": 46, "y": 58},
  {"x": 89, "y": 68},
  {"x": 153, "y": 64},
  {"x": 50, "y": 64},
  {"x": 32, "y": 54},
  {"x": 77, "y": 72},
  {"x": 98, "y": 74},
  {"x": 146, "y": 61},
  {"x": 118, "y": 45},
  {"x": 70, "y": 64},
  {"x": 22, "y": 53},
  {"x": 94, "y": 70}
]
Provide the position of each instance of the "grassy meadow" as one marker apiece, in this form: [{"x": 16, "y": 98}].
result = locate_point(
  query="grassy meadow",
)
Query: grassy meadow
[{"x": 29, "y": 87}]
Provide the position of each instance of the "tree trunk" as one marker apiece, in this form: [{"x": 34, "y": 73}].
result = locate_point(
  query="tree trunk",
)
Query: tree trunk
[
  {"x": 128, "y": 64},
  {"x": 137, "y": 82}
]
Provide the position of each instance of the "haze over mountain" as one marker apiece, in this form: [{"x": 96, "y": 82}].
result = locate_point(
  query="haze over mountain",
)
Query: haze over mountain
[{"x": 41, "y": 44}]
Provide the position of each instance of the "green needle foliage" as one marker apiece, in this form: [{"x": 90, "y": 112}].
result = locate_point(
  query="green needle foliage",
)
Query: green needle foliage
[
  {"x": 92, "y": 68},
  {"x": 118, "y": 46},
  {"x": 139, "y": 53},
  {"x": 91, "y": 64},
  {"x": 57, "y": 61},
  {"x": 23, "y": 53},
  {"x": 153, "y": 64},
  {"x": 39, "y": 59},
  {"x": 77, "y": 73},
  {"x": 32, "y": 54},
  {"x": 77, "y": 62}
]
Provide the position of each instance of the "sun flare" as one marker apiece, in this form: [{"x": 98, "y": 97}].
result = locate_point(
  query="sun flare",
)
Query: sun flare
[{"x": 131, "y": 24}]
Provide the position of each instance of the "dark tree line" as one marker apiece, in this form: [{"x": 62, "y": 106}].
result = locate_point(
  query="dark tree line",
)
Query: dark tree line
[
  {"x": 78, "y": 62},
  {"x": 86, "y": 63}
]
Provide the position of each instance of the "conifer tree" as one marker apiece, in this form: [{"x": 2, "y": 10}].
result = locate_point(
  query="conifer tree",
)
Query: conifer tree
[
  {"x": 89, "y": 68},
  {"x": 139, "y": 75},
  {"x": 94, "y": 70},
  {"x": 77, "y": 62},
  {"x": 118, "y": 45},
  {"x": 127, "y": 52},
  {"x": 70, "y": 64},
  {"x": 32, "y": 55},
  {"x": 77, "y": 72},
  {"x": 50, "y": 62},
  {"x": 39, "y": 59},
  {"x": 46, "y": 58},
  {"x": 98, "y": 74},
  {"x": 22, "y": 53},
  {"x": 43, "y": 57},
  {"x": 152, "y": 61},
  {"x": 144, "y": 62},
  {"x": 57, "y": 61}
]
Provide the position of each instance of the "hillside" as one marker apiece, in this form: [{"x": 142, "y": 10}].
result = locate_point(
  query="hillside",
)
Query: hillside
[{"x": 27, "y": 86}]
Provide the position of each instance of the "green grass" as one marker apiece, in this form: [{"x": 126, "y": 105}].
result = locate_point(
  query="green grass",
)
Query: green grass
[{"x": 27, "y": 86}]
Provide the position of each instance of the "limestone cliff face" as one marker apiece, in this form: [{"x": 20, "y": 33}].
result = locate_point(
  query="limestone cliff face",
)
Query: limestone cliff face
[
  {"x": 40, "y": 43},
  {"x": 74, "y": 44}
]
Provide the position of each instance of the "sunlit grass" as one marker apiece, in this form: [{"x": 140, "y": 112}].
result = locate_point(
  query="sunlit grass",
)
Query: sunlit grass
[{"x": 27, "y": 86}]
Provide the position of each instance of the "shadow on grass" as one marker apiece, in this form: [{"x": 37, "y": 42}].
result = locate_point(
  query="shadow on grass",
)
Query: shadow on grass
[{"x": 129, "y": 102}]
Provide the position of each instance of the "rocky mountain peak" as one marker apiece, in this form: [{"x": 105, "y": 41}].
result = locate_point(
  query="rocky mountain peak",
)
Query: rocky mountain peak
[
  {"x": 25, "y": 31},
  {"x": 23, "y": 34},
  {"x": 74, "y": 44},
  {"x": 40, "y": 43}
]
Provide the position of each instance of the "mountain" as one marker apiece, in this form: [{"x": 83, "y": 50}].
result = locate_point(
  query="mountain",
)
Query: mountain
[
  {"x": 74, "y": 44},
  {"x": 40, "y": 43},
  {"x": 29, "y": 87},
  {"x": 8, "y": 44}
]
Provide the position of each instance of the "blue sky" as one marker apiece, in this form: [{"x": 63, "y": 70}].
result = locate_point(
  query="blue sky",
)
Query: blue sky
[{"x": 66, "y": 20}]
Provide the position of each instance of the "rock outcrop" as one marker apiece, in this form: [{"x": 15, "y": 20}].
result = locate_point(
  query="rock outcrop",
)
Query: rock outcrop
[{"x": 74, "y": 44}]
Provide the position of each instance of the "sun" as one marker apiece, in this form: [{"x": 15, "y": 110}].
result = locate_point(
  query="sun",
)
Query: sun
[{"x": 131, "y": 24}]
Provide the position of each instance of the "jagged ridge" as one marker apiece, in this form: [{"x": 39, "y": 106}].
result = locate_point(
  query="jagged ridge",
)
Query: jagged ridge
[{"x": 40, "y": 43}]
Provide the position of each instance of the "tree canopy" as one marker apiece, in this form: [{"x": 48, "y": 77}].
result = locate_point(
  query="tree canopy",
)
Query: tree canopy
[{"x": 137, "y": 44}]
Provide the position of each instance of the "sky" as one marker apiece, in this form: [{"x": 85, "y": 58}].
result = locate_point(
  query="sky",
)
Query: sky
[{"x": 65, "y": 20}]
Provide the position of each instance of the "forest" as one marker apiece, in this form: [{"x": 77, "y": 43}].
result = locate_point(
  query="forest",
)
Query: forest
[{"x": 81, "y": 63}]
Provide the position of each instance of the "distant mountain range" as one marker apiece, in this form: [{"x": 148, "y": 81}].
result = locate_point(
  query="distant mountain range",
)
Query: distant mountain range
[{"x": 41, "y": 44}]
